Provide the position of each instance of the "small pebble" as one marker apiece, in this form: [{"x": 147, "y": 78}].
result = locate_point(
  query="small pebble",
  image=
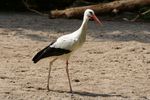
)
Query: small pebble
[{"x": 76, "y": 80}]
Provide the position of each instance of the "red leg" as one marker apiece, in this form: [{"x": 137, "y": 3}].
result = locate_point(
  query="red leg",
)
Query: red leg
[
  {"x": 50, "y": 64},
  {"x": 68, "y": 76}
]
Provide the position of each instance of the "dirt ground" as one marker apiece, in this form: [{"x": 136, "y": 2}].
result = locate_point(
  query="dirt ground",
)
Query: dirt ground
[{"x": 113, "y": 64}]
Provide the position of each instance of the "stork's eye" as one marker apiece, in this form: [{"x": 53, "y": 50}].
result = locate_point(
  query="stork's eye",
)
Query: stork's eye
[{"x": 91, "y": 13}]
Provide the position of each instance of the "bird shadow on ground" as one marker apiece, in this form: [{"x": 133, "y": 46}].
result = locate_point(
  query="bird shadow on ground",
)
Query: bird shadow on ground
[{"x": 90, "y": 94}]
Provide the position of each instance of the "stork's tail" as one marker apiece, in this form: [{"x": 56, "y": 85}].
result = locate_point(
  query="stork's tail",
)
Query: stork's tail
[
  {"x": 36, "y": 58},
  {"x": 39, "y": 55}
]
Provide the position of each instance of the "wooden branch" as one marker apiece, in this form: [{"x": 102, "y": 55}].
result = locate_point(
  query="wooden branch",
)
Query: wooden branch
[
  {"x": 25, "y": 2},
  {"x": 120, "y": 5},
  {"x": 134, "y": 19}
]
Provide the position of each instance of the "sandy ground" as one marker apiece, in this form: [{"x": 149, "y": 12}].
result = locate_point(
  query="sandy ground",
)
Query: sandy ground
[{"x": 113, "y": 64}]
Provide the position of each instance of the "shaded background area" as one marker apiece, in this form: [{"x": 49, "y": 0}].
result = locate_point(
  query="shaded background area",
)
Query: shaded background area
[
  {"x": 17, "y": 5},
  {"x": 47, "y": 5},
  {"x": 111, "y": 30}
]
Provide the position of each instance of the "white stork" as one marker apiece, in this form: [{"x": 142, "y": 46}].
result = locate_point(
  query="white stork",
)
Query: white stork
[{"x": 65, "y": 45}]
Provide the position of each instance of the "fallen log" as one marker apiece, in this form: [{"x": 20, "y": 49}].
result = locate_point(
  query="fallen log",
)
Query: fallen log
[{"x": 119, "y": 5}]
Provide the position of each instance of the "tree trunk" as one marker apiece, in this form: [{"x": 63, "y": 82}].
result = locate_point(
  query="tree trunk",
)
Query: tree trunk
[{"x": 77, "y": 12}]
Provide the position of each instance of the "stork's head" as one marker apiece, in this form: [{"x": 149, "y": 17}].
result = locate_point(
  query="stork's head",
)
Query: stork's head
[{"x": 89, "y": 14}]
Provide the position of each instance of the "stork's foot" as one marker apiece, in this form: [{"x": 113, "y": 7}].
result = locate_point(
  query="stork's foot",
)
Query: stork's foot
[
  {"x": 71, "y": 91},
  {"x": 48, "y": 88}
]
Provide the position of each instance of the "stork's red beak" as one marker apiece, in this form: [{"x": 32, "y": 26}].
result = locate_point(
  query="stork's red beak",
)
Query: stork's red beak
[{"x": 96, "y": 19}]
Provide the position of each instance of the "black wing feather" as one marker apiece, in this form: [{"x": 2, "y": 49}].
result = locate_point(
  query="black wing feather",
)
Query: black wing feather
[{"x": 48, "y": 52}]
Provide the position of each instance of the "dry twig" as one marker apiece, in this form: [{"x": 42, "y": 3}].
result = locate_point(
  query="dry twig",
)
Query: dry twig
[
  {"x": 25, "y": 2},
  {"x": 141, "y": 14}
]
